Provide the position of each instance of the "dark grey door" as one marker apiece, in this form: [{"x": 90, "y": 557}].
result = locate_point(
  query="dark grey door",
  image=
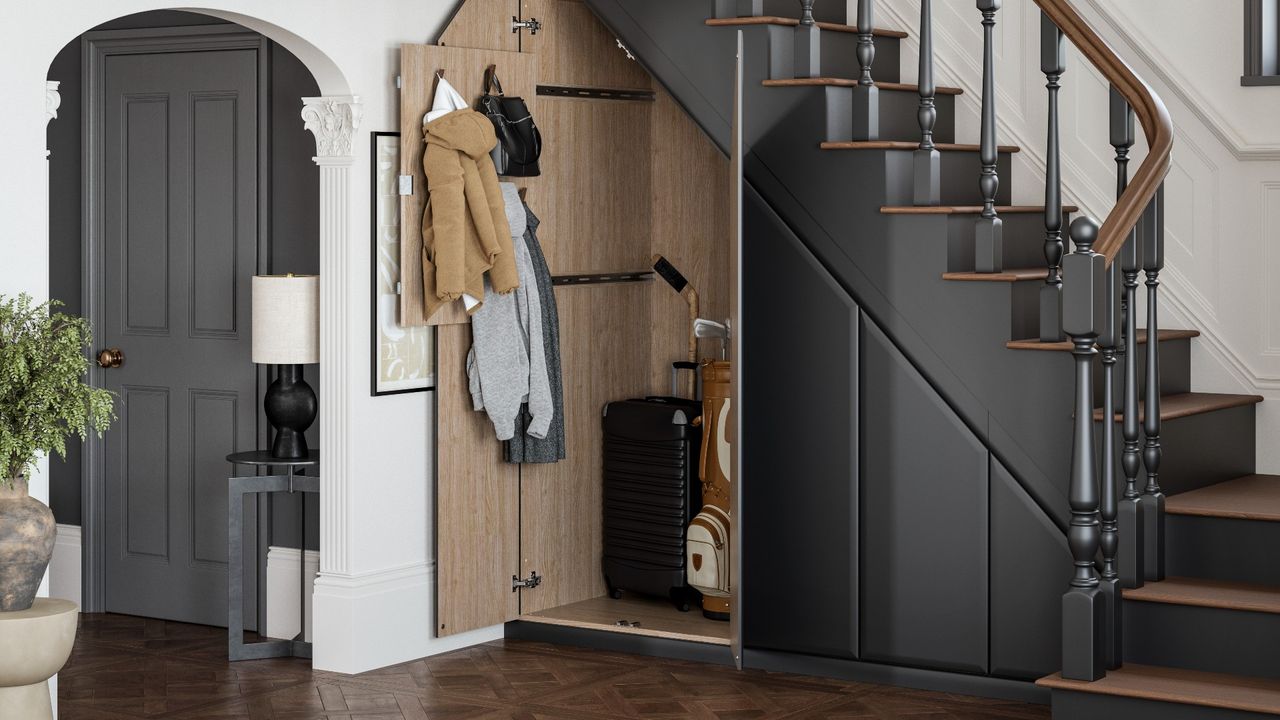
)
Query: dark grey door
[{"x": 180, "y": 216}]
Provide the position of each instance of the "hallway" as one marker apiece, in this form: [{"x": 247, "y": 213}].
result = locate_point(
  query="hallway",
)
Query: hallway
[{"x": 127, "y": 668}]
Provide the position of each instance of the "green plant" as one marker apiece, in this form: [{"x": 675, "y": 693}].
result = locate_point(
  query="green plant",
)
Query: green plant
[{"x": 43, "y": 396}]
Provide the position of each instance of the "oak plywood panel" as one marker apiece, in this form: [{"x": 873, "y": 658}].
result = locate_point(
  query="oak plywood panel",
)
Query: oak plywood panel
[
  {"x": 573, "y": 48},
  {"x": 603, "y": 344},
  {"x": 483, "y": 24},
  {"x": 691, "y": 228},
  {"x": 464, "y": 68},
  {"x": 656, "y": 618},
  {"x": 477, "y": 504}
]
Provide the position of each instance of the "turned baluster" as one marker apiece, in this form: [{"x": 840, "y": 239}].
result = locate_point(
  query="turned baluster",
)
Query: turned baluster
[
  {"x": 808, "y": 44},
  {"x": 1108, "y": 342},
  {"x": 928, "y": 163},
  {"x": 1053, "y": 62},
  {"x": 1131, "y": 525},
  {"x": 1152, "y": 497},
  {"x": 988, "y": 241},
  {"x": 1083, "y": 606},
  {"x": 866, "y": 97}
]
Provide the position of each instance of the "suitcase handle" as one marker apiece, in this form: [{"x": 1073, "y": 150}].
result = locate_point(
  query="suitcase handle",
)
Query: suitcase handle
[{"x": 679, "y": 365}]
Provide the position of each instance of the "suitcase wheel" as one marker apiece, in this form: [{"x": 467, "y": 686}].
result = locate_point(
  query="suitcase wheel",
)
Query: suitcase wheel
[
  {"x": 680, "y": 600},
  {"x": 614, "y": 592}
]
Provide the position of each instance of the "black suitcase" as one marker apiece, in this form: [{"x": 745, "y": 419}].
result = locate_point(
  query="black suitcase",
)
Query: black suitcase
[{"x": 651, "y": 493}]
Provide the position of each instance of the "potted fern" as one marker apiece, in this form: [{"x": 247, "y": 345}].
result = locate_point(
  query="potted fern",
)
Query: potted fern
[{"x": 44, "y": 399}]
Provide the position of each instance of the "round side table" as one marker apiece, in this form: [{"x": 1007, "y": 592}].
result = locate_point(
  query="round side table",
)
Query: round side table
[{"x": 37, "y": 643}]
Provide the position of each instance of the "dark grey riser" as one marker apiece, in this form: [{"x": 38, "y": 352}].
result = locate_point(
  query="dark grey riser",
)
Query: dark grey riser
[
  {"x": 1202, "y": 450},
  {"x": 1023, "y": 235},
  {"x": 1175, "y": 372},
  {"x": 823, "y": 10},
  {"x": 1088, "y": 706},
  {"x": 959, "y": 183},
  {"x": 839, "y": 55},
  {"x": 1222, "y": 549},
  {"x": 1198, "y": 638}
]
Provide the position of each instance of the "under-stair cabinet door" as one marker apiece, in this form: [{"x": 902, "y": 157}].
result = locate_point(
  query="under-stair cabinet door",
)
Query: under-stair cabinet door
[{"x": 477, "y": 494}]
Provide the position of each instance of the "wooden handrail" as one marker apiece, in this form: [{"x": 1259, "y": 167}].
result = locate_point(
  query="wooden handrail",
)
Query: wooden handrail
[{"x": 1147, "y": 106}]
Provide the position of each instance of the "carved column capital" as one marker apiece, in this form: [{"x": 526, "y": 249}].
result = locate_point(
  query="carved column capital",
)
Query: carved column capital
[
  {"x": 52, "y": 99},
  {"x": 333, "y": 120}
]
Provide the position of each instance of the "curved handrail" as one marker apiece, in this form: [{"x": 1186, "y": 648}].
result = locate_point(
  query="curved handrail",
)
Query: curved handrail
[{"x": 1147, "y": 106}]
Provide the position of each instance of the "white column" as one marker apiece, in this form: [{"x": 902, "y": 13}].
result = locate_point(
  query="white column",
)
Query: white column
[{"x": 333, "y": 121}]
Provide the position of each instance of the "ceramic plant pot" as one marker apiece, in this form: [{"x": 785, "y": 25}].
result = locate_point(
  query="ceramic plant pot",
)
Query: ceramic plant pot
[{"x": 27, "y": 532}]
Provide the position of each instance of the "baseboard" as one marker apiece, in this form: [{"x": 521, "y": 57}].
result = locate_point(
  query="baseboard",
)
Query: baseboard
[
  {"x": 369, "y": 621},
  {"x": 64, "y": 567},
  {"x": 881, "y": 674},
  {"x": 282, "y": 591}
]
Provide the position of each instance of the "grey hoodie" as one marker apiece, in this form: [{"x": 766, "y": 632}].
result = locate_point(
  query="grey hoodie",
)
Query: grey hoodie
[{"x": 507, "y": 366}]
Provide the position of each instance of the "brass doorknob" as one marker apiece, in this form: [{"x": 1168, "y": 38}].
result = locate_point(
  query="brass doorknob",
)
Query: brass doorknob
[{"x": 111, "y": 358}]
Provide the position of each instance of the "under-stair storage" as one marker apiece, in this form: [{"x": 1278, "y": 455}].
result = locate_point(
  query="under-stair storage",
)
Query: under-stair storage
[{"x": 626, "y": 176}]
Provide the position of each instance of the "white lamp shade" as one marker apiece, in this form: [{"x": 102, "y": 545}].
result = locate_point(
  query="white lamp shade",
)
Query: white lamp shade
[{"x": 286, "y": 319}]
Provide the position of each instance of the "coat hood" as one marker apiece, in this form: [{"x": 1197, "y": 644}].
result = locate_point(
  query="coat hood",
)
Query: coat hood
[{"x": 465, "y": 131}]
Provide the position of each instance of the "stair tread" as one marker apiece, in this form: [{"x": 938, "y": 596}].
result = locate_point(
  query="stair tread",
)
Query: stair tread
[
  {"x": 1181, "y": 405},
  {"x": 967, "y": 209},
  {"x": 1253, "y": 497},
  {"x": 910, "y": 145},
  {"x": 776, "y": 20},
  {"x": 1209, "y": 593},
  {"x": 1065, "y": 345},
  {"x": 851, "y": 82},
  {"x": 1186, "y": 687},
  {"x": 1015, "y": 275}
]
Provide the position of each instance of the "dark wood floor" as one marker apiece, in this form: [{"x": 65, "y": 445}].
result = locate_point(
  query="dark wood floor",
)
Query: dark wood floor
[{"x": 125, "y": 667}]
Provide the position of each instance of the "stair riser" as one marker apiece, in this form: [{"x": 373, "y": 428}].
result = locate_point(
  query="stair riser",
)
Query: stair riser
[
  {"x": 839, "y": 55},
  {"x": 1217, "y": 640},
  {"x": 1023, "y": 242},
  {"x": 1221, "y": 549},
  {"x": 1199, "y": 450},
  {"x": 1175, "y": 372},
  {"x": 1088, "y": 706},
  {"x": 899, "y": 119},
  {"x": 832, "y": 12},
  {"x": 959, "y": 181}
]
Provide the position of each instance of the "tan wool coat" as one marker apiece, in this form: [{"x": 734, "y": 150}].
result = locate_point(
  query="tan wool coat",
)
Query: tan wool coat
[{"x": 464, "y": 228}]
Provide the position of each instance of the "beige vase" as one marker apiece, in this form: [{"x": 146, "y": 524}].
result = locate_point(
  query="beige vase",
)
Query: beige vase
[{"x": 27, "y": 532}]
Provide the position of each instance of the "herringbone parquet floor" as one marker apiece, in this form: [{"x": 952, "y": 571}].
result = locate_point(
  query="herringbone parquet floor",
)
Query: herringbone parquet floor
[{"x": 128, "y": 668}]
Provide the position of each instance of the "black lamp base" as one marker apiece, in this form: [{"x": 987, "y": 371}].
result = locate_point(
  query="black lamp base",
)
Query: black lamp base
[{"x": 291, "y": 408}]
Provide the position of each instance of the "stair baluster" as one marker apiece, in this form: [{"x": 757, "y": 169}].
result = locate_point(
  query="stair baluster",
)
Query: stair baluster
[
  {"x": 1152, "y": 497},
  {"x": 866, "y": 97},
  {"x": 1083, "y": 607},
  {"x": 1108, "y": 340},
  {"x": 928, "y": 162},
  {"x": 808, "y": 44},
  {"x": 1053, "y": 62},
  {"x": 988, "y": 241},
  {"x": 1131, "y": 526}
]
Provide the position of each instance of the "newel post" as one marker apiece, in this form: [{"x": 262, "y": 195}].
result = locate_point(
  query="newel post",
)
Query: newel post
[{"x": 1083, "y": 606}]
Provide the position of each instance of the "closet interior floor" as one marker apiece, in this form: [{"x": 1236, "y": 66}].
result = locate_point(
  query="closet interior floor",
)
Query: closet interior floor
[{"x": 656, "y": 618}]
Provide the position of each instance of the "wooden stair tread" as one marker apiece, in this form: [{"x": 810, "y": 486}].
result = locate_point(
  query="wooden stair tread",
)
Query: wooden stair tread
[
  {"x": 967, "y": 209},
  {"x": 792, "y": 22},
  {"x": 910, "y": 145},
  {"x": 1065, "y": 345},
  {"x": 1253, "y": 497},
  {"x": 1186, "y": 687},
  {"x": 1182, "y": 405},
  {"x": 1200, "y": 592},
  {"x": 851, "y": 82},
  {"x": 1015, "y": 275}
]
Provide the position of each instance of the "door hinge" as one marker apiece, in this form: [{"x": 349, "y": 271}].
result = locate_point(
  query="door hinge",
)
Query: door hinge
[
  {"x": 399, "y": 288},
  {"x": 533, "y": 581},
  {"x": 398, "y": 81},
  {"x": 532, "y": 25},
  {"x": 406, "y": 185},
  {"x": 625, "y": 50}
]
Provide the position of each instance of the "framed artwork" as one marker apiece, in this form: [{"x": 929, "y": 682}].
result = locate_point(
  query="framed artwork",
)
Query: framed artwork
[{"x": 404, "y": 358}]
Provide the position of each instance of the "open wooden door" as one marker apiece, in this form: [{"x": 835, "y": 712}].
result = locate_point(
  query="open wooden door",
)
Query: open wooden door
[{"x": 477, "y": 494}]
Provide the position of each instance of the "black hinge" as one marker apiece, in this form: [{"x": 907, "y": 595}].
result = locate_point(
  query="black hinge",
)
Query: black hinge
[{"x": 533, "y": 581}]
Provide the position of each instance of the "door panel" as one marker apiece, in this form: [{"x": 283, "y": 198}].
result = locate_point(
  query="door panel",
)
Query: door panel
[{"x": 180, "y": 233}]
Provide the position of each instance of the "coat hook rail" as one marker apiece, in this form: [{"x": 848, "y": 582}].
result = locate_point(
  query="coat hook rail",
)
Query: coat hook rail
[
  {"x": 602, "y": 278},
  {"x": 592, "y": 93}
]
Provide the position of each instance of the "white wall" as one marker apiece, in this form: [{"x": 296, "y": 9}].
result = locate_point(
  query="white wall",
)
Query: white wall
[
  {"x": 1223, "y": 193},
  {"x": 379, "y": 610}
]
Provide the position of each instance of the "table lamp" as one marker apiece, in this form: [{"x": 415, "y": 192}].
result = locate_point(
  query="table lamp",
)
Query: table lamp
[{"x": 286, "y": 333}]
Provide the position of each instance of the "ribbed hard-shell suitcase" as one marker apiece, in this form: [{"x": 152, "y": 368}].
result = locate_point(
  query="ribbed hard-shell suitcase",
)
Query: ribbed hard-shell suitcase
[{"x": 651, "y": 492}]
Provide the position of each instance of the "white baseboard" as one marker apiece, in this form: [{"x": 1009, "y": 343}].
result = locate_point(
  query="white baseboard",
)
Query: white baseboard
[
  {"x": 282, "y": 591},
  {"x": 370, "y": 621},
  {"x": 64, "y": 568}
]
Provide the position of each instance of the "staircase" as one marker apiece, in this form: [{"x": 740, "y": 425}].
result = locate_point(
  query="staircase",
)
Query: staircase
[{"x": 1174, "y": 607}]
